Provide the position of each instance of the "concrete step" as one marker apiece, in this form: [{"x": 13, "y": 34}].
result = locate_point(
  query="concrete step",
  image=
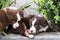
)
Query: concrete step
[{"x": 41, "y": 36}]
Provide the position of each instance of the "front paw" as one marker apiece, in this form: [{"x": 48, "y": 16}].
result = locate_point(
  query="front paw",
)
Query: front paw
[{"x": 31, "y": 36}]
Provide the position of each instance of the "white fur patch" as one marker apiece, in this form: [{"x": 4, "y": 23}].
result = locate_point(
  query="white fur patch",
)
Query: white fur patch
[
  {"x": 18, "y": 16},
  {"x": 31, "y": 36},
  {"x": 33, "y": 29},
  {"x": 7, "y": 27},
  {"x": 44, "y": 29},
  {"x": 15, "y": 25},
  {"x": 14, "y": 8},
  {"x": 33, "y": 22}
]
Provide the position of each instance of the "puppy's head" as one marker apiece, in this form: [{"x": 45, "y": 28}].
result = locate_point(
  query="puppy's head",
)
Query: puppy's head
[
  {"x": 38, "y": 24},
  {"x": 14, "y": 15}
]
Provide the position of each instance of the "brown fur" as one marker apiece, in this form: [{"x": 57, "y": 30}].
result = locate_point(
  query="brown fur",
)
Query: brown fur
[{"x": 3, "y": 20}]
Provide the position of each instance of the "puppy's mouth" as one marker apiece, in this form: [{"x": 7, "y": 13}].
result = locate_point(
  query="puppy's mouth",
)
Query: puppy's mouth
[{"x": 31, "y": 32}]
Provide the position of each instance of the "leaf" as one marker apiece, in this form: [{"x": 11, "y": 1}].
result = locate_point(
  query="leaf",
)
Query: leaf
[
  {"x": 4, "y": 3},
  {"x": 24, "y": 7},
  {"x": 57, "y": 18},
  {"x": 44, "y": 11},
  {"x": 52, "y": 6},
  {"x": 39, "y": 9},
  {"x": 56, "y": 10},
  {"x": 41, "y": 2}
]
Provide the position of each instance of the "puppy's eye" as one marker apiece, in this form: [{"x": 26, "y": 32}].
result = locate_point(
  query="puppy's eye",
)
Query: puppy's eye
[{"x": 37, "y": 26}]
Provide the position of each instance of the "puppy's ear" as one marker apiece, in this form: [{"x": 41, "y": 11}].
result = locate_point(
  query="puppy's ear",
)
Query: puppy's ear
[{"x": 31, "y": 16}]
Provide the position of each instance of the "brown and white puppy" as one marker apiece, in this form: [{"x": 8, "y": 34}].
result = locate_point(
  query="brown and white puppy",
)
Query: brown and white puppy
[
  {"x": 38, "y": 24},
  {"x": 10, "y": 15},
  {"x": 14, "y": 15}
]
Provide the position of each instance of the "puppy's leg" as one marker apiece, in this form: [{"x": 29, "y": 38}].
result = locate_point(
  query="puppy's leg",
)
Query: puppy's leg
[{"x": 27, "y": 33}]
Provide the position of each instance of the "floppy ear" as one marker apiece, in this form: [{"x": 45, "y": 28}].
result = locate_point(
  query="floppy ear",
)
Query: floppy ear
[{"x": 31, "y": 16}]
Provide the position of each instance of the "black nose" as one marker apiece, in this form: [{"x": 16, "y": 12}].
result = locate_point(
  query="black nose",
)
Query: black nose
[{"x": 31, "y": 31}]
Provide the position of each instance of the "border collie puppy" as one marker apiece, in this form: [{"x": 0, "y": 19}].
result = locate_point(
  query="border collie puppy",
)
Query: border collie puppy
[
  {"x": 10, "y": 16},
  {"x": 38, "y": 24},
  {"x": 14, "y": 15}
]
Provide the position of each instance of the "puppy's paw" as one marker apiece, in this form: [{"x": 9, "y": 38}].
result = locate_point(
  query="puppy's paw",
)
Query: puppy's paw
[{"x": 31, "y": 36}]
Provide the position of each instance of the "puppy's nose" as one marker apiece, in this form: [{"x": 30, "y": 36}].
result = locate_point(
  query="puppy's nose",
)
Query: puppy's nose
[{"x": 31, "y": 31}]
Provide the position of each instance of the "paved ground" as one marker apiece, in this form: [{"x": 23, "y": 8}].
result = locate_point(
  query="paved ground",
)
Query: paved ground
[{"x": 41, "y": 36}]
